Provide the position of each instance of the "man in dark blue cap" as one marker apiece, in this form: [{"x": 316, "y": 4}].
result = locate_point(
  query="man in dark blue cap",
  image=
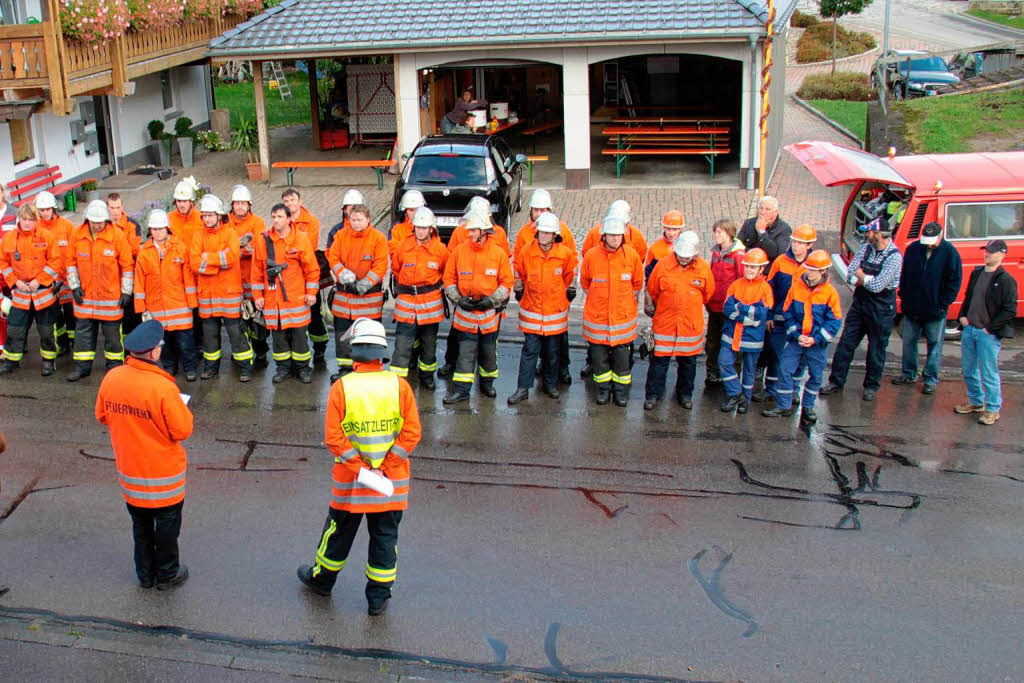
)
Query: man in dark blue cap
[{"x": 140, "y": 404}]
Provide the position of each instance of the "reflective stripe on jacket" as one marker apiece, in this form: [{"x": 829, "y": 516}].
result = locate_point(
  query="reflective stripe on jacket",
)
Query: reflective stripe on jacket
[
  {"x": 747, "y": 307},
  {"x": 812, "y": 311},
  {"x": 780, "y": 277},
  {"x": 679, "y": 294},
  {"x": 26, "y": 256},
  {"x": 147, "y": 419},
  {"x": 253, "y": 226},
  {"x": 103, "y": 265},
  {"x": 165, "y": 284},
  {"x": 371, "y": 416},
  {"x": 365, "y": 253},
  {"x": 611, "y": 280},
  {"x": 214, "y": 257},
  {"x": 478, "y": 270},
  {"x": 544, "y": 308},
  {"x": 300, "y": 278},
  {"x": 416, "y": 265}
]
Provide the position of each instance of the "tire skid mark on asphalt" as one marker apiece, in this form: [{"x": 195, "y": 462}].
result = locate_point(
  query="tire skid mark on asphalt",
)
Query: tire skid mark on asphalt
[
  {"x": 27, "y": 491},
  {"x": 713, "y": 589},
  {"x": 608, "y": 512},
  {"x": 29, "y": 614},
  {"x": 243, "y": 465}
]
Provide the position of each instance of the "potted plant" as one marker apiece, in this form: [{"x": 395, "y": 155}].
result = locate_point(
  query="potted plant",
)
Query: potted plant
[
  {"x": 161, "y": 140},
  {"x": 186, "y": 142},
  {"x": 246, "y": 139},
  {"x": 91, "y": 190}
]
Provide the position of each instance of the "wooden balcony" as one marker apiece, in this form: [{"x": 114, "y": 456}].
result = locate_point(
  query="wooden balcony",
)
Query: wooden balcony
[{"x": 35, "y": 60}]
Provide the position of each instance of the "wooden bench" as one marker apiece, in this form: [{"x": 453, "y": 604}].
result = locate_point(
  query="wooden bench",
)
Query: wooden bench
[
  {"x": 706, "y": 141},
  {"x": 530, "y": 161},
  {"x": 24, "y": 189},
  {"x": 538, "y": 129},
  {"x": 699, "y": 121},
  {"x": 378, "y": 166}
]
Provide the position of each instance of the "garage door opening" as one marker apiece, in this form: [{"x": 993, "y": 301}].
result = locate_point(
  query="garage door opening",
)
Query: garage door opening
[{"x": 666, "y": 120}]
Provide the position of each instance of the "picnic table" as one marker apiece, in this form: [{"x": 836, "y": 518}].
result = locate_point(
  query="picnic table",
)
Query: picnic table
[{"x": 705, "y": 141}]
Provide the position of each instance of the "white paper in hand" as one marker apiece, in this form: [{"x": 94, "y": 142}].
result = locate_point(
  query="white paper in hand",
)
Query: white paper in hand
[
  {"x": 378, "y": 483},
  {"x": 185, "y": 398}
]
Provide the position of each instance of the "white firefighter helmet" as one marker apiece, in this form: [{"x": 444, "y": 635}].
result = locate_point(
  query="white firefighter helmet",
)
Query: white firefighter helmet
[
  {"x": 475, "y": 221},
  {"x": 352, "y": 197},
  {"x": 412, "y": 199},
  {"x": 540, "y": 199},
  {"x": 241, "y": 193},
  {"x": 479, "y": 205},
  {"x": 613, "y": 225},
  {"x": 184, "y": 190},
  {"x": 621, "y": 209},
  {"x": 211, "y": 203},
  {"x": 157, "y": 219},
  {"x": 686, "y": 244},
  {"x": 46, "y": 200},
  {"x": 366, "y": 331},
  {"x": 424, "y": 218},
  {"x": 97, "y": 211},
  {"x": 548, "y": 222}
]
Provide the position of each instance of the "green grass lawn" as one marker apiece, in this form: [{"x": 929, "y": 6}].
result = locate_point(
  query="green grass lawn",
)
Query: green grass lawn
[
  {"x": 948, "y": 124},
  {"x": 1015, "y": 22},
  {"x": 853, "y": 116},
  {"x": 238, "y": 98}
]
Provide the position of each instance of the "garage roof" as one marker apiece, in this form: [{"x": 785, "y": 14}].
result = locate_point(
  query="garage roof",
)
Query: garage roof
[{"x": 308, "y": 27}]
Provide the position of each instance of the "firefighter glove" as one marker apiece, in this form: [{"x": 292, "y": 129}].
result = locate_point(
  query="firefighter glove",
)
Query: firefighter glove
[
  {"x": 363, "y": 286},
  {"x": 78, "y": 294},
  {"x": 125, "y": 301},
  {"x": 570, "y": 293}
]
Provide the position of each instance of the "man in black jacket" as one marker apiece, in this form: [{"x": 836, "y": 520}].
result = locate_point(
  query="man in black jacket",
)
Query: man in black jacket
[
  {"x": 766, "y": 230},
  {"x": 929, "y": 283},
  {"x": 987, "y": 316}
]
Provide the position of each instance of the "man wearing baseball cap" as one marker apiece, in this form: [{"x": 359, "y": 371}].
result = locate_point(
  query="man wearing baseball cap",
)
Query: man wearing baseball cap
[
  {"x": 987, "y": 314},
  {"x": 929, "y": 283}
]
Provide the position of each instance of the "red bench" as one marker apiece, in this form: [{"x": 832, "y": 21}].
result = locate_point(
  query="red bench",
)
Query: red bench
[{"x": 25, "y": 189}]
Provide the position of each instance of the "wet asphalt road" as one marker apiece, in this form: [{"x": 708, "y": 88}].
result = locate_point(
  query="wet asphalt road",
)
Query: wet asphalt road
[{"x": 561, "y": 537}]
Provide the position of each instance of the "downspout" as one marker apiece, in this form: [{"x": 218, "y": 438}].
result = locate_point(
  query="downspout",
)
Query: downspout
[{"x": 752, "y": 141}]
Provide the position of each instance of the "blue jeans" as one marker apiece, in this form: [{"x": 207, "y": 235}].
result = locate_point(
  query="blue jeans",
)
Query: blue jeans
[
  {"x": 979, "y": 360},
  {"x": 536, "y": 346},
  {"x": 933, "y": 333}
]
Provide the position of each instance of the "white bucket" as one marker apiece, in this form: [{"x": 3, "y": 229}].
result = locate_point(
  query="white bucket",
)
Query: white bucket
[
  {"x": 499, "y": 110},
  {"x": 479, "y": 117}
]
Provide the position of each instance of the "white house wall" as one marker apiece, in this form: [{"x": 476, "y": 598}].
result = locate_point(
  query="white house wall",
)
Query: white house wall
[{"x": 51, "y": 146}]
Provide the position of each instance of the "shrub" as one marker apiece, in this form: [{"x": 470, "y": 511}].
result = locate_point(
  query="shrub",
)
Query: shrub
[
  {"x": 156, "y": 129},
  {"x": 844, "y": 85},
  {"x": 155, "y": 14},
  {"x": 204, "y": 9},
  {"x": 183, "y": 127},
  {"x": 811, "y": 51},
  {"x": 212, "y": 140},
  {"x": 801, "y": 20},
  {"x": 815, "y": 44},
  {"x": 244, "y": 8}
]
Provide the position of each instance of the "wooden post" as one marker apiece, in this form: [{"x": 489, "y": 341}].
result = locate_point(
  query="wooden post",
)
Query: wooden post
[
  {"x": 54, "y": 70},
  {"x": 118, "y": 68},
  {"x": 314, "y": 102},
  {"x": 261, "y": 119}
]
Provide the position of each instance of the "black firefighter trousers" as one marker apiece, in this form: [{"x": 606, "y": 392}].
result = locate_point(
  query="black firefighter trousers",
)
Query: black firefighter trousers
[{"x": 381, "y": 558}]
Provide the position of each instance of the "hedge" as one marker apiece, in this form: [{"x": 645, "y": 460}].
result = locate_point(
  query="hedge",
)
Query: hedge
[
  {"x": 845, "y": 85},
  {"x": 815, "y": 44}
]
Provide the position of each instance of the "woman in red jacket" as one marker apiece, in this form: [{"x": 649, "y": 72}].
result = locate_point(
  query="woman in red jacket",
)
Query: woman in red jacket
[{"x": 726, "y": 267}]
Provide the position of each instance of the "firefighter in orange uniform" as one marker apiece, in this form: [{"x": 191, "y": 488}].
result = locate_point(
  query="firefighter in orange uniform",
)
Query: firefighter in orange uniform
[
  {"x": 62, "y": 229},
  {"x": 545, "y": 273},
  {"x": 373, "y": 425},
  {"x": 634, "y": 238},
  {"x": 359, "y": 261},
  {"x": 185, "y": 221},
  {"x": 612, "y": 275},
  {"x": 30, "y": 265},
  {"x": 672, "y": 223},
  {"x": 147, "y": 418},
  {"x": 418, "y": 265},
  {"x": 165, "y": 290},
  {"x": 130, "y": 228},
  {"x": 101, "y": 275},
  {"x": 249, "y": 227},
  {"x": 747, "y": 309},
  {"x": 284, "y": 288},
  {"x": 304, "y": 221},
  {"x": 478, "y": 280},
  {"x": 677, "y": 291},
  {"x": 411, "y": 200},
  {"x": 214, "y": 257}
]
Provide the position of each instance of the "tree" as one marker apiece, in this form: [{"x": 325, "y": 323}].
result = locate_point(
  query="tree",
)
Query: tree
[{"x": 833, "y": 9}]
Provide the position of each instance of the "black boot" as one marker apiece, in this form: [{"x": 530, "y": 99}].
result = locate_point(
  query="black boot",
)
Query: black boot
[
  {"x": 260, "y": 361},
  {"x": 685, "y": 401},
  {"x": 245, "y": 372},
  {"x": 446, "y": 371},
  {"x": 459, "y": 392},
  {"x": 518, "y": 397},
  {"x": 620, "y": 394},
  {"x": 81, "y": 370},
  {"x": 778, "y": 412},
  {"x": 732, "y": 403},
  {"x": 209, "y": 371},
  {"x": 305, "y": 374},
  {"x": 487, "y": 387},
  {"x": 283, "y": 372},
  {"x": 319, "y": 353},
  {"x": 564, "y": 377},
  {"x": 743, "y": 407},
  {"x": 427, "y": 380},
  {"x": 305, "y": 574},
  {"x": 47, "y": 369},
  {"x": 604, "y": 393},
  {"x": 586, "y": 371},
  {"x": 9, "y": 366},
  {"x": 808, "y": 417},
  {"x": 551, "y": 392}
]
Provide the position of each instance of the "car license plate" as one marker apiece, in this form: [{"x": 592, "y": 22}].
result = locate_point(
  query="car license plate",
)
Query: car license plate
[{"x": 449, "y": 220}]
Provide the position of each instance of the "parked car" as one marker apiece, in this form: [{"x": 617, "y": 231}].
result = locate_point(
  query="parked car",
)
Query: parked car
[
  {"x": 975, "y": 197},
  {"x": 921, "y": 78},
  {"x": 969, "y": 64},
  {"x": 451, "y": 169}
]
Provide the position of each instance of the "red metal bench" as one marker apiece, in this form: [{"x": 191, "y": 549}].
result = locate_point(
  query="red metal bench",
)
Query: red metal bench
[{"x": 25, "y": 189}]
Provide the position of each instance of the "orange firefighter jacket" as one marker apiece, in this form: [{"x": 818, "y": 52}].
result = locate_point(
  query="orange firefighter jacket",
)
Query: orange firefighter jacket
[
  {"x": 461, "y": 234},
  {"x": 131, "y": 233},
  {"x": 748, "y": 303},
  {"x": 544, "y": 308},
  {"x": 478, "y": 270},
  {"x": 399, "y": 231},
  {"x": 30, "y": 255},
  {"x": 416, "y": 265},
  {"x": 102, "y": 264},
  {"x": 185, "y": 227},
  {"x": 634, "y": 238},
  {"x": 611, "y": 280},
  {"x": 300, "y": 278},
  {"x": 253, "y": 226},
  {"x": 346, "y": 492},
  {"x": 365, "y": 253},
  {"x": 679, "y": 294},
  {"x": 62, "y": 230},
  {"x": 658, "y": 250},
  {"x": 141, "y": 406},
  {"x": 309, "y": 224},
  {"x": 165, "y": 284},
  {"x": 214, "y": 258},
  {"x": 529, "y": 231}
]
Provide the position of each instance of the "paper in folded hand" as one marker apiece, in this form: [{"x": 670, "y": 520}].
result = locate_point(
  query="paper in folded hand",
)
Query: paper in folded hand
[
  {"x": 185, "y": 398},
  {"x": 378, "y": 483}
]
